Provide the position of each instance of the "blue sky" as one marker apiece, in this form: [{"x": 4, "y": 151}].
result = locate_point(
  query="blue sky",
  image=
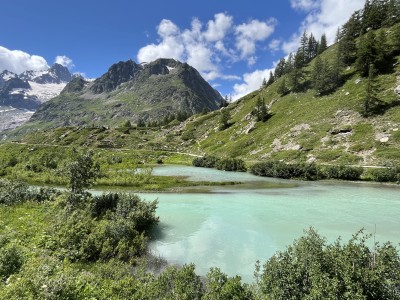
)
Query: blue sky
[{"x": 234, "y": 44}]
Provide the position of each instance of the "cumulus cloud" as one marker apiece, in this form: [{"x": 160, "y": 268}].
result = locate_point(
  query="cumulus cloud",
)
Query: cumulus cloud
[
  {"x": 18, "y": 61},
  {"x": 218, "y": 28},
  {"x": 64, "y": 61},
  {"x": 205, "y": 47},
  {"x": 247, "y": 34},
  {"x": 251, "y": 81},
  {"x": 305, "y": 5},
  {"x": 323, "y": 16},
  {"x": 275, "y": 45}
]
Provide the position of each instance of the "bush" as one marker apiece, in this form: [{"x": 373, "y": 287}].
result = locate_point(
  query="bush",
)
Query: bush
[
  {"x": 280, "y": 169},
  {"x": 227, "y": 164},
  {"x": 16, "y": 192},
  {"x": 205, "y": 161},
  {"x": 231, "y": 164},
  {"x": 110, "y": 226},
  {"x": 311, "y": 269},
  {"x": 177, "y": 283},
  {"x": 385, "y": 174},
  {"x": 342, "y": 172},
  {"x": 221, "y": 287},
  {"x": 11, "y": 260}
]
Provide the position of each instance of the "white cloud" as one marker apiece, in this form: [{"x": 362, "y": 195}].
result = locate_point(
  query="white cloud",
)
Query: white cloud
[
  {"x": 252, "y": 82},
  {"x": 209, "y": 48},
  {"x": 324, "y": 16},
  {"x": 275, "y": 45},
  {"x": 18, "y": 61},
  {"x": 305, "y": 5},
  {"x": 247, "y": 34},
  {"x": 167, "y": 28},
  {"x": 64, "y": 61},
  {"x": 217, "y": 29}
]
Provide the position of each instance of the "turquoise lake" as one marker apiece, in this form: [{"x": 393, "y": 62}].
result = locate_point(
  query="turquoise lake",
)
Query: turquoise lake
[{"x": 232, "y": 227}]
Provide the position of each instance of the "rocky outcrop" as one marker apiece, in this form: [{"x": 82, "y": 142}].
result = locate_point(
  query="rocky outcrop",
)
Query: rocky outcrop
[{"x": 117, "y": 74}]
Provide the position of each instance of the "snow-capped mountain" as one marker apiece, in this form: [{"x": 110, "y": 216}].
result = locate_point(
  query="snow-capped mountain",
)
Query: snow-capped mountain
[
  {"x": 5, "y": 76},
  {"x": 57, "y": 74},
  {"x": 22, "y": 94}
]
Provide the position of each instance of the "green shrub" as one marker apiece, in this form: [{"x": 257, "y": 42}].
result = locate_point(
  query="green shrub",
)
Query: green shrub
[
  {"x": 280, "y": 169},
  {"x": 177, "y": 283},
  {"x": 227, "y": 164},
  {"x": 385, "y": 174},
  {"x": 231, "y": 164},
  {"x": 220, "y": 286},
  {"x": 11, "y": 260},
  {"x": 109, "y": 226},
  {"x": 342, "y": 172},
  {"x": 16, "y": 192},
  {"x": 311, "y": 269},
  {"x": 205, "y": 161}
]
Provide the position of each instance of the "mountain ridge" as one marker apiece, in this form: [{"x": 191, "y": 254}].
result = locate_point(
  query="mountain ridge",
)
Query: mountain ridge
[{"x": 129, "y": 91}]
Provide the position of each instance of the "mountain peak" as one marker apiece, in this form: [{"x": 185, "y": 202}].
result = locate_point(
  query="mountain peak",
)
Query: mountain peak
[
  {"x": 56, "y": 74},
  {"x": 5, "y": 76},
  {"x": 118, "y": 73}
]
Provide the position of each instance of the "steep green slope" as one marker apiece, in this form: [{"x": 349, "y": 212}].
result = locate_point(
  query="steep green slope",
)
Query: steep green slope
[{"x": 305, "y": 127}]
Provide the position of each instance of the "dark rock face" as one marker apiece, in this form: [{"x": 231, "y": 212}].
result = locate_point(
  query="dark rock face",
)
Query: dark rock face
[
  {"x": 76, "y": 85},
  {"x": 56, "y": 74},
  {"x": 118, "y": 73},
  {"x": 5, "y": 76},
  {"x": 15, "y": 83},
  {"x": 11, "y": 96}
]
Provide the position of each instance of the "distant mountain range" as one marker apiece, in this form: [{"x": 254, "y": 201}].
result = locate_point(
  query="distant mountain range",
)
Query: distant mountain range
[
  {"x": 132, "y": 92},
  {"x": 30, "y": 89}
]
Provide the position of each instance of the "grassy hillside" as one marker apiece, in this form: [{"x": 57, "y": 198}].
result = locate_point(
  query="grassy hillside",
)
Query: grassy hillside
[{"x": 304, "y": 126}]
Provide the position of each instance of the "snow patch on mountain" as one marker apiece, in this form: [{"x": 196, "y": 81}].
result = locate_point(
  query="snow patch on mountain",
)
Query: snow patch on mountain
[{"x": 46, "y": 91}]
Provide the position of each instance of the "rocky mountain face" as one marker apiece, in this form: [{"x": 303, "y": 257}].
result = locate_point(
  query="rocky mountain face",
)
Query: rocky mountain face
[
  {"x": 130, "y": 91},
  {"x": 57, "y": 74},
  {"x": 31, "y": 88},
  {"x": 14, "y": 93},
  {"x": 22, "y": 94}
]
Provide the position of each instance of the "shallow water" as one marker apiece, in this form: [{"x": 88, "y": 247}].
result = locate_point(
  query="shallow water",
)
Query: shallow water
[{"x": 232, "y": 228}]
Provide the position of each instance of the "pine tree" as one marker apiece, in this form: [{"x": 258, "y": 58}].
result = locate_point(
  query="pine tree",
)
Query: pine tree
[
  {"x": 303, "y": 50},
  {"x": 366, "y": 53},
  {"x": 396, "y": 40},
  {"x": 289, "y": 63},
  {"x": 323, "y": 44},
  {"x": 382, "y": 49},
  {"x": 282, "y": 88},
  {"x": 371, "y": 102},
  {"x": 297, "y": 73},
  {"x": 225, "y": 119},
  {"x": 264, "y": 83},
  {"x": 337, "y": 67},
  {"x": 374, "y": 14},
  {"x": 271, "y": 79},
  {"x": 224, "y": 102},
  {"x": 350, "y": 31},
  {"x": 261, "y": 110},
  {"x": 280, "y": 68},
  {"x": 392, "y": 13},
  {"x": 318, "y": 74},
  {"x": 312, "y": 49}
]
